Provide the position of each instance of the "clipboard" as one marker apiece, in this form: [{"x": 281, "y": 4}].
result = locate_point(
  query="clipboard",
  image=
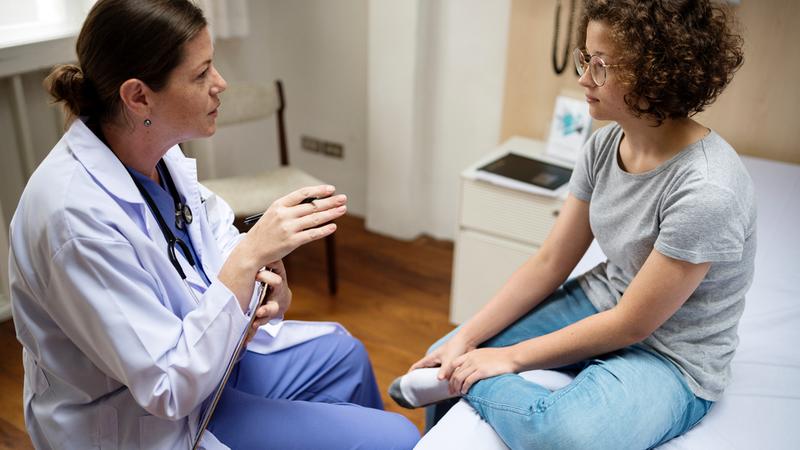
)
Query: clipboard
[{"x": 209, "y": 412}]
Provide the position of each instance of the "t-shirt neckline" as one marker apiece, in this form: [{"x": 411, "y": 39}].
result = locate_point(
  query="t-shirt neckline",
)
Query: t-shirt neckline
[{"x": 661, "y": 167}]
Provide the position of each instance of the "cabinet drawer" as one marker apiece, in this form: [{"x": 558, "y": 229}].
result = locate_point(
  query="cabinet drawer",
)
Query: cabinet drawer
[
  {"x": 504, "y": 212},
  {"x": 482, "y": 264}
]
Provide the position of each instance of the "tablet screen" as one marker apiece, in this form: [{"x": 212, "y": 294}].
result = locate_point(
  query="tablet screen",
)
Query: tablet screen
[{"x": 528, "y": 170}]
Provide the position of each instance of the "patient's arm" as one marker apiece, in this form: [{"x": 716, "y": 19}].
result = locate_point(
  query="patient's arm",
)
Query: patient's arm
[
  {"x": 662, "y": 285},
  {"x": 528, "y": 286}
]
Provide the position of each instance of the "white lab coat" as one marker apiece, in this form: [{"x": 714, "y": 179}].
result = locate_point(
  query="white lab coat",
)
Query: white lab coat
[{"x": 118, "y": 353}]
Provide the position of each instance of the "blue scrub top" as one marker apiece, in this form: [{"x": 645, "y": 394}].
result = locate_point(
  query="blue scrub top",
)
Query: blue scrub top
[{"x": 166, "y": 206}]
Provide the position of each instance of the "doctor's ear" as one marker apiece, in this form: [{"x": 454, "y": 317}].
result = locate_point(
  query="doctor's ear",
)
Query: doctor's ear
[{"x": 136, "y": 97}]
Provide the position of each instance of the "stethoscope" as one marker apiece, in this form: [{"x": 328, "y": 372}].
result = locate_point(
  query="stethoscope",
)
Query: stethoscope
[
  {"x": 559, "y": 67},
  {"x": 183, "y": 217}
]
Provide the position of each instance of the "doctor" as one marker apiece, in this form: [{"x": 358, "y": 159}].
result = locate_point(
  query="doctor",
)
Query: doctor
[{"x": 130, "y": 287}]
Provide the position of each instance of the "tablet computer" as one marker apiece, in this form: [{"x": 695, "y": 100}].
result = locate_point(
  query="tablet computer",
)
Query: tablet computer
[
  {"x": 518, "y": 171},
  {"x": 528, "y": 170}
]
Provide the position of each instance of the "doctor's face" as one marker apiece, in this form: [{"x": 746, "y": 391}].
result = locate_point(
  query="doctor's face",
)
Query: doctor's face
[{"x": 187, "y": 105}]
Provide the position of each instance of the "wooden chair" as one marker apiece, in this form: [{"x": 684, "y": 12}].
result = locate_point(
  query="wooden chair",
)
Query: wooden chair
[{"x": 251, "y": 194}]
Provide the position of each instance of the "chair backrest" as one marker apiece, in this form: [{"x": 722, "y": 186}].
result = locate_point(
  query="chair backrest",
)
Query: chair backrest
[{"x": 243, "y": 102}]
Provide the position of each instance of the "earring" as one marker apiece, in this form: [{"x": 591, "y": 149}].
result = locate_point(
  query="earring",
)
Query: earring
[{"x": 147, "y": 122}]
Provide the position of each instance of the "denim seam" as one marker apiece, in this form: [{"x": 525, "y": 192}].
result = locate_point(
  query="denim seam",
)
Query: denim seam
[
  {"x": 672, "y": 427},
  {"x": 558, "y": 395},
  {"x": 497, "y": 405},
  {"x": 553, "y": 397}
]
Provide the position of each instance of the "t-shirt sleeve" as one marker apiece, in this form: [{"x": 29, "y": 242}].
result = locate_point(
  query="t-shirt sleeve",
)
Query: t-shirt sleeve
[
  {"x": 701, "y": 223},
  {"x": 581, "y": 183}
]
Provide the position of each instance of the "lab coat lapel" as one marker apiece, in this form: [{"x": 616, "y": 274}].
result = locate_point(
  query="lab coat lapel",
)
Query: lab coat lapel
[
  {"x": 184, "y": 172},
  {"x": 101, "y": 163},
  {"x": 112, "y": 176}
]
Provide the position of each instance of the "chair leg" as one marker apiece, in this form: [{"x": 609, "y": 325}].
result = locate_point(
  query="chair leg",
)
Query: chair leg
[{"x": 330, "y": 252}]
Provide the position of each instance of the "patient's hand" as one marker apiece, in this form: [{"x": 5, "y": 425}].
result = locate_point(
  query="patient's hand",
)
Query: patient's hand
[
  {"x": 476, "y": 365},
  {"x": 444, "y": 356}
]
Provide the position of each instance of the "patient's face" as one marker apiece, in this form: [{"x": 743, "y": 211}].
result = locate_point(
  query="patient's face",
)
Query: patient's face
[{"x": 606, "y": 102}]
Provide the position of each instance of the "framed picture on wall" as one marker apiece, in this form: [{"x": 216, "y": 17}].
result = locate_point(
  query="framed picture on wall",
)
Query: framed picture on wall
[{"x": 569, "y": 128}]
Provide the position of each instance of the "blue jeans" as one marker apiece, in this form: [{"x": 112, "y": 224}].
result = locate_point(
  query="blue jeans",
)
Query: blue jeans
[
  {"x": 319, "y": 394},
  {"x": 632, "y": 398}
]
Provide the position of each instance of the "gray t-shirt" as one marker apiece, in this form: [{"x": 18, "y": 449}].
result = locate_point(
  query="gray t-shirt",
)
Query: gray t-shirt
[{"x": 698, "y": 207}]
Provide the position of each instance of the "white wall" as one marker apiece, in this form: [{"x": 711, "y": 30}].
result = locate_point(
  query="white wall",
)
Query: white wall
[
  {"x": 435, "y": 100},
  {"x": 396, "y": 166},
  {"x": 45, "y": 130},
  {"x": 318, "y": 49},
  {"x": 432, "y": 78},
  {"x": 413, "y": 89},
  {"x": 466, "y": 99}
]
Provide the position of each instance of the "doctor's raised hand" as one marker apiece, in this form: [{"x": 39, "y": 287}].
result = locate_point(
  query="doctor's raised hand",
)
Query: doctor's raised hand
[
  {"x": 131, "y": 288},
  {"x": 292, "y": 221},
  {"x": 287, "y": 224}
]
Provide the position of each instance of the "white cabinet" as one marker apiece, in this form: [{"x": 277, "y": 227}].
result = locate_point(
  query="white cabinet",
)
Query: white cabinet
[{"x": 498, "y": 229}]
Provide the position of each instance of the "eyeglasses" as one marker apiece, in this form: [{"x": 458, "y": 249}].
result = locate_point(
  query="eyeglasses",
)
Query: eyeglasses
[{"x": 597, "y": 67}]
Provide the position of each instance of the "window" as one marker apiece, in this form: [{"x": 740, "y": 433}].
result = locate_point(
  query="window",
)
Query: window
[{"x": 40, "y": 20}]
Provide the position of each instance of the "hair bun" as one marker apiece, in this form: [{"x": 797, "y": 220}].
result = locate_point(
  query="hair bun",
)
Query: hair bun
[{"x": 67, "y": 84}]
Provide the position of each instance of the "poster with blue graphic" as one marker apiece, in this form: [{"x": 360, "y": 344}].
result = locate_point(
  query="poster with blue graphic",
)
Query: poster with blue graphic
[{"x": 569, "y": 128}]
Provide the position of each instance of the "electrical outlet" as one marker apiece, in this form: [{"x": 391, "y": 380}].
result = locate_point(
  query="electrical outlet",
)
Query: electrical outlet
[
  {"x": 333, "y": 149},
  {"x": 311, "y": 144},
  {"x": 315, "y": 145}
]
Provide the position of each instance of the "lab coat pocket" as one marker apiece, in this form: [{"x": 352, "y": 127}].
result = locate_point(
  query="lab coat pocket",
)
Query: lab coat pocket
[
  {"x": 155, "y": 432},
  {"x": 36, "y": 377},
  {"x": 107, "y": 427},
  {"x": 40, "y": 384}
]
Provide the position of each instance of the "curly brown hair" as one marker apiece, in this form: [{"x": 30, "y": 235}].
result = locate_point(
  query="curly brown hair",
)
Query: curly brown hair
[{"x": 678, "y": 55}]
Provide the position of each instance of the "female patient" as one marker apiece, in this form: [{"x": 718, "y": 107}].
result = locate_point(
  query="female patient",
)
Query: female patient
[
  {"x": 651, "y": 331},
  {"x": 130, "y": 287}
]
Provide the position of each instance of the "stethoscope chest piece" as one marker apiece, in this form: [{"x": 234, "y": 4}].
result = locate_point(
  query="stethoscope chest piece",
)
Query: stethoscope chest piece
[{"x": 183, "y": 216}]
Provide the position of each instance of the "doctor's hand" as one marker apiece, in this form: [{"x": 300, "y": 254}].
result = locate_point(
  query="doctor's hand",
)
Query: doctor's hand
[
  {"x": 290, "y": 222},
  {"x": 287, "y": 224},
  {"x": 478, "y": 364},
  {"x": 278, "y": 298}
]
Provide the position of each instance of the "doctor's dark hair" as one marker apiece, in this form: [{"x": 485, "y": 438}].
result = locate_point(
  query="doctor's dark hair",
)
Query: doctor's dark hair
[
  {"x": 120, "y": 40},
  {"x": 677, "y": 55}
]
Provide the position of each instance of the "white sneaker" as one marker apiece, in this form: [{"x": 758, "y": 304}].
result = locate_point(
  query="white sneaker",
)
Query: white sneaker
[{"x": 419, "y": 388}]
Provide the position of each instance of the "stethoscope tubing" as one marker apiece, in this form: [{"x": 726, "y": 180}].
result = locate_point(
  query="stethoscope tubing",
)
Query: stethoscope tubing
[{"x": 172, "y": 240}]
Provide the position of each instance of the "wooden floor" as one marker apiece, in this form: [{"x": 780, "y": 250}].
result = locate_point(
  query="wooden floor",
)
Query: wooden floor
[{"x": 393, "y": 295}]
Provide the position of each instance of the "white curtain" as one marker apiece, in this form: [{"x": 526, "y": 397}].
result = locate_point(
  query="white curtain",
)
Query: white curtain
[{"x": 226, "y": 18}]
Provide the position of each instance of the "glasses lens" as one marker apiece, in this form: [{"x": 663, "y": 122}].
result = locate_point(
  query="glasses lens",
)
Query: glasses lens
[
  {"x": 580, "y": 61},
  {"x": 598, "y": 70}
]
